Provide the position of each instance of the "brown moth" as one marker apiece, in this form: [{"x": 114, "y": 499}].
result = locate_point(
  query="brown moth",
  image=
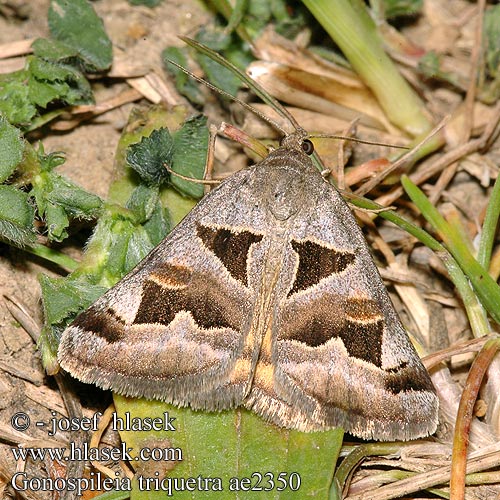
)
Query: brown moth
[{"x": 264, "y": 296}]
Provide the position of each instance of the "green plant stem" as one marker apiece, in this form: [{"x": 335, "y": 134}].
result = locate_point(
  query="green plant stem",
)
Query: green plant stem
[
  {"x": 475, "y": 311},
  {"x": 393, "y": 217},
  {"x": 358, "y": 453},
  {"x": 352, "y": 29},
  {"x": 489, "y": 226},
  {"x": 54, "y": 256},
  {"x": 485, "y": 287}
]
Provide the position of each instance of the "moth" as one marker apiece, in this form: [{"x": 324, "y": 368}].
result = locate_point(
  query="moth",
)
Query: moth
[{"x": 264, "y": 296}]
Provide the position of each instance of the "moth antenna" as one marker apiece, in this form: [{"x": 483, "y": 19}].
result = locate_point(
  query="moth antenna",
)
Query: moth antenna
[
  {"x": 355, "y": 139},
  {"x": 230, "y": 96},
  {"x": 256, "y": 87},
  {"x": 349, "y": 130},
  {"x": 367, "y": 186}
]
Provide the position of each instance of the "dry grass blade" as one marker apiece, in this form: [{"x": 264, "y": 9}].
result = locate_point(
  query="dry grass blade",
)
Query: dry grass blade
[
  {"x": 464, "y": 417},
  {"x": 432, "y": 478}
]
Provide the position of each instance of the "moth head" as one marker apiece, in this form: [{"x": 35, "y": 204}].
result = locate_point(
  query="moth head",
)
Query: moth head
[{"x": 298, "y": 141}]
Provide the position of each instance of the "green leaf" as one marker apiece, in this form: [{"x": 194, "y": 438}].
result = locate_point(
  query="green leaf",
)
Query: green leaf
[
  {"x": 50, "y": 81},
  {"x": 75, "y": 23},
  {"x": 75, "y": 201},
  {"x": 222, "y": 78},
  {"x": 183, "y": 83},
  {"x": 16, "y": 217},
  {"x": 149, "y": 156},
  {"x": 231, "y": 444},
  {"x": 430, "y": 66},
  {"x": 190, "y": 155},
  {"x": 11, "y": 148},
  {"x": 485, "y": 287},
  {"x": 117, "y": 245},
  {"x": 397, "y": 8},
  {"x": 65, "y": 297},
  {"x": 38, "y": 85},
  {"x": 58, "y": 199},
  {"x": 139, "y": 245},
  {"x": 159, "y": 224},
  {"x": 15, "y": 102},
  {"x": 143, "y": 201},
  {"x": 57, "y": 221},
  {"x": 53, "y": 50},
  {"x": 51, "y": 160}
]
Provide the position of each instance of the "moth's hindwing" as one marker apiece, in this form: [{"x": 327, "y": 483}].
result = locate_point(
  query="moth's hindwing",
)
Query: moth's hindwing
[{"x": 264, "y": 296}]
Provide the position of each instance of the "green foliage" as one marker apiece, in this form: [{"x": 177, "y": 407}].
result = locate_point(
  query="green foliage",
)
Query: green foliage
[
  {"x": 183, "y": 151},
  {"x": 54, "y": 73},
  {"x": 244, "y": 18},
  {"x": 39, "y": 84},
  {"x": 354, "y": 31},
  {"x": 58, "y": 199},
  {"x": 486, "y": 289},
  {"x": 398, "y": 8},
  {"x": 288, "y": 20},
  {"x": 15, "y": 101},
  {"x": 51, "y": 81},
  {"x": 11, "y": 148},
  {"x": 16, "y": 217},
  {"x": 149, "y": 157},
  {"x": 430, "y": 67},
  {"x": 75, "y": 24},
  {"x": 184, "y": 84},
  {"x": 253, "y": 16},
  {"x": 53, "y": 50},
  {"x": 68, "y": 297},
  {"x": 491, "y": 33},
  {"x": 223, "y": 43},
  {"x": 190, "y": 154},
  {"x": 233, "y": 444},
  {"x": 63, "y": 298}
]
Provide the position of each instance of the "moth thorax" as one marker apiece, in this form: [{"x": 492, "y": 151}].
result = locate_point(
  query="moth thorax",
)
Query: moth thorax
[{"x": 284, "y": 193}]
